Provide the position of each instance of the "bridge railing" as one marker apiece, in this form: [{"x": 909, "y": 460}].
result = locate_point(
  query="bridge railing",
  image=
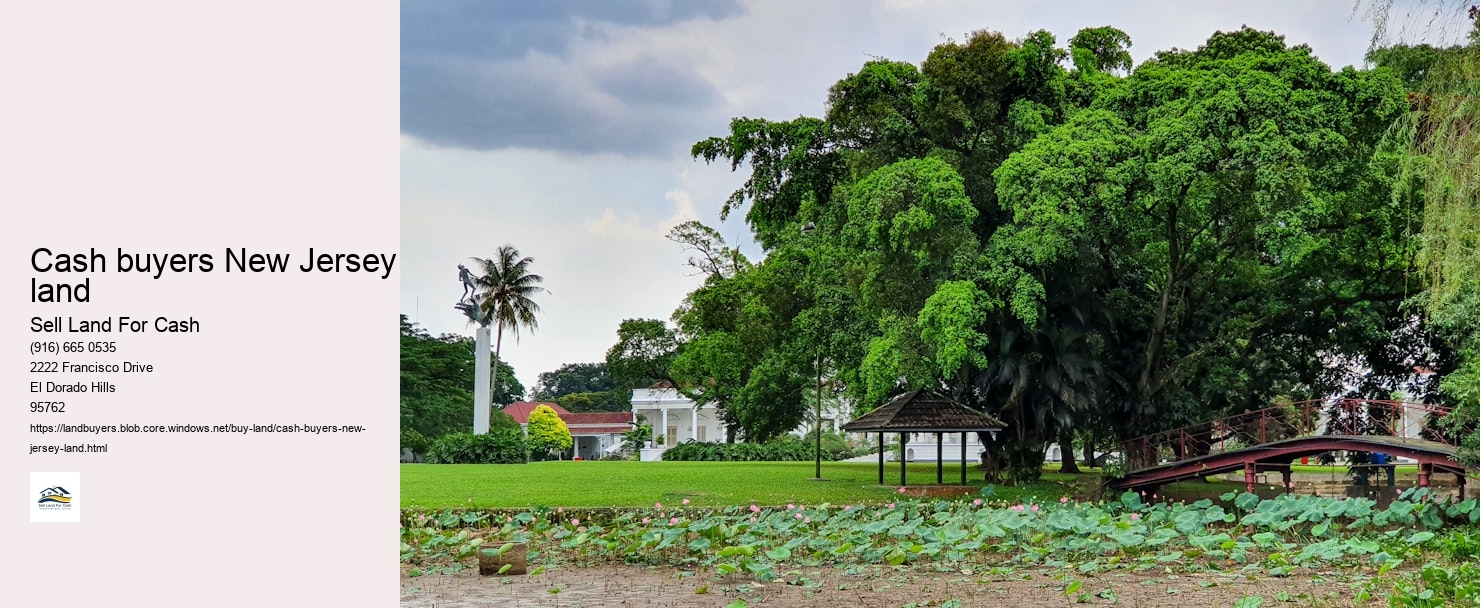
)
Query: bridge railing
[{"x": 1403, "y": 420}]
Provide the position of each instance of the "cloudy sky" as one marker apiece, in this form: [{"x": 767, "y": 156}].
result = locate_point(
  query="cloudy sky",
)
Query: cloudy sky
[{"x": 563, "y": 127}]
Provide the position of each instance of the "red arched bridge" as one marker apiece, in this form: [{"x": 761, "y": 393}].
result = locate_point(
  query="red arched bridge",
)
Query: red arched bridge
[{"x": 1271, "y": 439}]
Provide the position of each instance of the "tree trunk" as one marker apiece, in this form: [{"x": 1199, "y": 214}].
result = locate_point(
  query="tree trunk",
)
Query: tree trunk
[
  {"x": 1089, "y": 450},
  {"x": 493, "y": 382},
  {"x": 1066, "y": 452}
]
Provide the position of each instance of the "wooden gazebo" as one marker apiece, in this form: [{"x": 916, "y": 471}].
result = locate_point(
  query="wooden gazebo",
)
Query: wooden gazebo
[{"x": 923, "y": 412}]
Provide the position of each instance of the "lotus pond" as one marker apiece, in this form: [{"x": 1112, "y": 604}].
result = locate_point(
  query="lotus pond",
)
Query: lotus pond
[{"x": 1416, "y": 552}]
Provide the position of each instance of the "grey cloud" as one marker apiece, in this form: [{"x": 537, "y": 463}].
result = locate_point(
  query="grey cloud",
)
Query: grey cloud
[
  {"x": 636, "y": 110},
  {"x": 504, "y": 29},
  {"x": 498, "y": 75}
]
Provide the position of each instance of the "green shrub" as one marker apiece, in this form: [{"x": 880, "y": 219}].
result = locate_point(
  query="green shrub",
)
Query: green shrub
[
  {"x": 418, "y": 443},
  {"x": 500, "y": 419},
  {"x": 787, "y": 448},
  {"x": 500, "y": 446},
  {"x": 835, "y": 446},
  {"x": 1462, "y": 545}
]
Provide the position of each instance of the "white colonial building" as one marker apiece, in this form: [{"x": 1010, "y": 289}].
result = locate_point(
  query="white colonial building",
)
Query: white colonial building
[{"x": 676, "y": 418}]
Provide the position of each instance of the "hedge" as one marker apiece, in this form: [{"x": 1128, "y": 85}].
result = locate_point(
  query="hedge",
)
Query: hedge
[
  {"x": 783, "y": 450},
  {"x": 499, "y": 446}
]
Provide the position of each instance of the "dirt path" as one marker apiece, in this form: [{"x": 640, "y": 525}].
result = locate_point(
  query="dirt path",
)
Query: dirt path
[{"x": 863, "y": 587}]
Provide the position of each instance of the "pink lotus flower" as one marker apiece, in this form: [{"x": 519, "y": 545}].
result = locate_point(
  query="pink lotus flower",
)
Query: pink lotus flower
[
  {"x": 1063, "y": 500},
  {"x": 1135, "y": 516},
  {"x": 901, "y": 489},
  {"x": 685, "y": 501},
  {"x": 645, "y": 520},
  {"x": 657, "y": 505},
  {"x": 755, "y": 509},
  {"x": 790, "y": 506},
  {"x": 1035, "y": 508},
  {"x": 977, "y": 502},
  {"x": 752, "y": 519},
  {"x": 575, "y": 522},
  {"x": 891, "y": 505},
  {"x": 807, "y": 520},
  {"x": 673, "y": 521},
  {"x": 1017, "y": 507},
  {"x": 799, "y": 515}
]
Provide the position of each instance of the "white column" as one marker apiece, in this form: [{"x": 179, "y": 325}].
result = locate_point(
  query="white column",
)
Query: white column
[
  {"x": 481, "y": 400},
  {"x": 666, "y": 438},
  {"x": 694, "y": 430}
]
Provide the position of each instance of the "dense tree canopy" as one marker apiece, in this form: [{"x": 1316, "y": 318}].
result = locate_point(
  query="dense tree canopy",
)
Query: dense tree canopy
[
  {"x": 437, "y": 382},
  {"x": 1072, "y": 242},
  {"x": 1442, "y": 143},
  {"x": 582, "y": 387}
]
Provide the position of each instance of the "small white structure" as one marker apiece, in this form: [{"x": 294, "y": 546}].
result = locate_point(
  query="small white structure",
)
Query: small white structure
[{"x": 921, "y": 447}]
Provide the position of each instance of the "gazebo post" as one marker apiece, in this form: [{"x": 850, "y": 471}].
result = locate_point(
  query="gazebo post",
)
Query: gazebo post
[
  {"x": 882, "y": 447},
  {"x": 963, "y": 459},
  {"x": 939, "y": 460},
  {"x": 903, "y": 481},
  {"x": 919, "y": 412}
]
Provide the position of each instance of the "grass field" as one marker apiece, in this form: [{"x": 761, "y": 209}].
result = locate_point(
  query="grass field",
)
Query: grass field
[{"x": 634, "y": 484}]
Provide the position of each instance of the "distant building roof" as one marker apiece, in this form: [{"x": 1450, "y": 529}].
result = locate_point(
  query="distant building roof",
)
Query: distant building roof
[
  {"x": 520, "y": 410},
  {"x": 922, "y": 411},
  {"x": 584, "y": 423},
  {"x": 597, "y": 418}
]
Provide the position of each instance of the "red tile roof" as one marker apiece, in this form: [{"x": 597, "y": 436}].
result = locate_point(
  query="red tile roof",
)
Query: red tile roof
[
  {"x": 598, "y": 418},
  {"x": 520, "y": 410},
  {"x": 585, "y": 422}
]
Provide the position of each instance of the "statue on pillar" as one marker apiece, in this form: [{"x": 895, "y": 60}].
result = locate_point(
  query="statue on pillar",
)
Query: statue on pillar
[
  {"x": 468, "y": 282},
  {"x": 466, "y": 304}
]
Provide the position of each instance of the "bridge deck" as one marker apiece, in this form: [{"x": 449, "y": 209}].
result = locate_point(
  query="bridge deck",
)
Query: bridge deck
[{"x": 1278, "y": 455}]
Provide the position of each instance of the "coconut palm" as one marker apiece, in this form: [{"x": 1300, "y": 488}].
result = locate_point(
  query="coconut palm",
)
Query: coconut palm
[{"x": 503, "y": 296}]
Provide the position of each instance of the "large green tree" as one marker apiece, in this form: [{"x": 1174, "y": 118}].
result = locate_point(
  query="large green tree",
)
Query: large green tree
[
  {"x": 1233, "y": 206},
  {"x": 1076, "y": 244},
  {"x": 437, "y": 382}
]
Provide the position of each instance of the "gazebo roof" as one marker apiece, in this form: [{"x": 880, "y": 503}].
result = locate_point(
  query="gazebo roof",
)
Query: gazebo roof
[{"x": 923, "y": 411}]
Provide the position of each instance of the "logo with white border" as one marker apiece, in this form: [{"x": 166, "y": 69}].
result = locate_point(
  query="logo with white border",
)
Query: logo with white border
[{"x": 54, "y": 497}]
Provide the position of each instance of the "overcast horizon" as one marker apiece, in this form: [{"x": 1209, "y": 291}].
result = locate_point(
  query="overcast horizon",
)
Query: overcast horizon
[{"x": 563, "y": 128}]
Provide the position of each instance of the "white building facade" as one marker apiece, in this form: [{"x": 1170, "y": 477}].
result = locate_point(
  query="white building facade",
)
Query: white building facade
[{"x": 676, "y": 419}]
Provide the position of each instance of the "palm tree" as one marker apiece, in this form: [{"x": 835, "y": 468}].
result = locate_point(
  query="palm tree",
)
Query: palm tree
[{"x": 503, "y": 295}]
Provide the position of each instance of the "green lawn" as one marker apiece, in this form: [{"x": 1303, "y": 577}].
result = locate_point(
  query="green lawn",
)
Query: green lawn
[{"x": 633, "y": 484}]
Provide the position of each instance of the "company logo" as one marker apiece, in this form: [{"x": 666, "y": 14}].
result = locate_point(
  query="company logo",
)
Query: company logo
[{"x": 55, "y": 497}]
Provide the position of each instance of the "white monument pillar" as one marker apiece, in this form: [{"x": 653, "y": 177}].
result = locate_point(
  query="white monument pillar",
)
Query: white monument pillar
[{"x": 481, "y": 398}]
